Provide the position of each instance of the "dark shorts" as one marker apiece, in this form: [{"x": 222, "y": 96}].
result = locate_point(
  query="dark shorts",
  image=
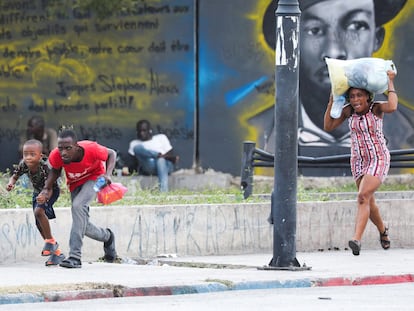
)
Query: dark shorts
[{"x": 48, "y": 206}]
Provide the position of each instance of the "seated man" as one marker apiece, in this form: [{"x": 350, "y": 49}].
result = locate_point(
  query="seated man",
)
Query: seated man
[
  {"x": 154, "y": 153},
  {"x": 36, "y": 129}
]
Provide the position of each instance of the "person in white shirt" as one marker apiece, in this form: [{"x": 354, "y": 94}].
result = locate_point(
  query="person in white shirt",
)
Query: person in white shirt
[{"x": 154, "y": 153}]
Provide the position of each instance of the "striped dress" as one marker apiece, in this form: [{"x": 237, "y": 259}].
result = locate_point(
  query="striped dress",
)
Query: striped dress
[{"x": 369, "y": 152}]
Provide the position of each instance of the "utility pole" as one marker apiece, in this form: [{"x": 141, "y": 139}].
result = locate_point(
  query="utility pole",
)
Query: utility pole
[{"x": 284, "y": 195}]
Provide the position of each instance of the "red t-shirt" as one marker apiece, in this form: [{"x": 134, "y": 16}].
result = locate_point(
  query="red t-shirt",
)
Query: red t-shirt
[{"x": 89, "y": 168}]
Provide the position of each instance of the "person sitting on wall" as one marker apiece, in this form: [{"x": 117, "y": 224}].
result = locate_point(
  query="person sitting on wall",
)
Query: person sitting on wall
[
  {"x": 36, "y": 129},
  {"x": 154, "y": 153}
]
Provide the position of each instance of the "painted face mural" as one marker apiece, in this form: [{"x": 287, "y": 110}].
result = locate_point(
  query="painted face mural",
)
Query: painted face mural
[
  {"x": 207, "y": 85},
  {"x": 99, "y": 75}
]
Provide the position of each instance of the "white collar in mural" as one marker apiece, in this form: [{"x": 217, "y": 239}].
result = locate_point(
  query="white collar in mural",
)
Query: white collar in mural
[{"x": 311, "y": 135}]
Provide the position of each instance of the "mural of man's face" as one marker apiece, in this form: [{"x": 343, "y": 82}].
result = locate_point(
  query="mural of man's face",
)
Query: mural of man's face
[{"x": 336, "y": 29}]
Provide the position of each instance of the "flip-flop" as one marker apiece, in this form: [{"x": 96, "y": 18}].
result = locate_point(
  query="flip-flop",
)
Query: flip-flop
[
  {"x": 49, "y": 249},
  {"x": 54, "y": 260}
]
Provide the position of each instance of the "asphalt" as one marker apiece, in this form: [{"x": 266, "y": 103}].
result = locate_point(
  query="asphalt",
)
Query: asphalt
[{"x": 173, "y": 275}]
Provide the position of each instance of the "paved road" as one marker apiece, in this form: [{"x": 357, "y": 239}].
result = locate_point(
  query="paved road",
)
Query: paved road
[
  {"x": 364, "y": 298},
  {"x": 33, "y": 282}
]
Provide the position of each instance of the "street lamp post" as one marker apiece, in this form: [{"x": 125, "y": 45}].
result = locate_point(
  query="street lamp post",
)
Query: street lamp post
[{"x": 284, "y": 195}]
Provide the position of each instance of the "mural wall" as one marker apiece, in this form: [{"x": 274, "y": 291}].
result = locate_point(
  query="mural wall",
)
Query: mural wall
[
  {"x": 105, "y": 75},
  {"x": 102, "y": 76},
  {"x": 237, "y": 71}
]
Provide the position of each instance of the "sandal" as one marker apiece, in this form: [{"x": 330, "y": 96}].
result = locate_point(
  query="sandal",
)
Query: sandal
[
  {"x": 385, "y": 243},
  {"x": 355, "y": 246},
  {"x": 54, "y": 260},
  {"x": 71, "y": 262},
  {"x": 49, "y": 249}
]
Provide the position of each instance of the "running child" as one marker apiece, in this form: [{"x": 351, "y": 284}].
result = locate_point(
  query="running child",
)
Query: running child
[{"x": 37, "y": 169}]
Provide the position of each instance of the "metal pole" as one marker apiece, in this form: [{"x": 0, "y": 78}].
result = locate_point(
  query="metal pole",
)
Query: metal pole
[
  {"x": 284, "y": 195},
  {"x": 196, "y": 158}
]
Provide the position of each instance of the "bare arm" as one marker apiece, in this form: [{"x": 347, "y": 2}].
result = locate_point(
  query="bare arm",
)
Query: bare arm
[
  {"x": 46, "y": 192},
  {"x": 12, "y": 181},
  {"x": 110, "y": 164},
  {"x": 392, "y": 104},
  {"x": 15, "y": 176}
]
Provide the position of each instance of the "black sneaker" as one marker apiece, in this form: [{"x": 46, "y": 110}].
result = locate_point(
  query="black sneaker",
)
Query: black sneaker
[
  {"x": 109, "y": 248},
  {"x": 71, "y": 262}
]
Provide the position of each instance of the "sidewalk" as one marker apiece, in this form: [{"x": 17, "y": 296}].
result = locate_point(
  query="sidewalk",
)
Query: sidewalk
[{"x": 32, "y": 282}]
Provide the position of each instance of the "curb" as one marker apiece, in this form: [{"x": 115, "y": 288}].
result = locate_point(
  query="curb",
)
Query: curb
[
  {"x": 120, "y": 291},
  {"x": 368, "y": 280}
]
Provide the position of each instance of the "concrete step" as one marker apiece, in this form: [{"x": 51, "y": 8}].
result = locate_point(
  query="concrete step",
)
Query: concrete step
[{"x": 341, "y": 196}]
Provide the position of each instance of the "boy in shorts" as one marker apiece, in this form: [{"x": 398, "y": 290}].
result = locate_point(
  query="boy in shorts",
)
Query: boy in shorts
[{"x": 37, "y": 169}]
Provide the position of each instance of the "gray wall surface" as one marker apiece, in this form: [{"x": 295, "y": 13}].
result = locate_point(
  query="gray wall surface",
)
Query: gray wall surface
[{"x": 209, "y": 229}]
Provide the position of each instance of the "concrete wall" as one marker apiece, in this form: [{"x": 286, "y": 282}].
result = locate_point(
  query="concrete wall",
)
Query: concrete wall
[
  {"x": 189, "y": 230},
  {"x": 181, "y": 179}
]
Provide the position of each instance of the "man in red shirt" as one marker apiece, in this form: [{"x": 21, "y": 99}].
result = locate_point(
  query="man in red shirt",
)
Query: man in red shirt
[{"x": 83, "y": 162}]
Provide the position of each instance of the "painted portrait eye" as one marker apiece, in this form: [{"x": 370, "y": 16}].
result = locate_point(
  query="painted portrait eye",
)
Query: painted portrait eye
[
  {"x": 314, "y": 31},
  {"x": 358, "y": 26}
]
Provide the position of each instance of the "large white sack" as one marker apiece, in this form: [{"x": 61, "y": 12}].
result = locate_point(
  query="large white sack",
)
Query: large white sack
[{"x": 368, "y": 73}]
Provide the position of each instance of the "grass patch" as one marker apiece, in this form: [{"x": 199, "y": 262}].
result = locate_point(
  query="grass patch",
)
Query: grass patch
[{"x": 21, "y": 197}]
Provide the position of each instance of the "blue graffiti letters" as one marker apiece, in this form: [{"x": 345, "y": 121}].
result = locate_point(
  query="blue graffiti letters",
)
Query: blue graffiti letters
[{"x": 16, "y": 237}]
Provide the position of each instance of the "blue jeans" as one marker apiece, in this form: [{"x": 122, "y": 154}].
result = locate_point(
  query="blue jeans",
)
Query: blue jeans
[{"x": 150, "y": 164}]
